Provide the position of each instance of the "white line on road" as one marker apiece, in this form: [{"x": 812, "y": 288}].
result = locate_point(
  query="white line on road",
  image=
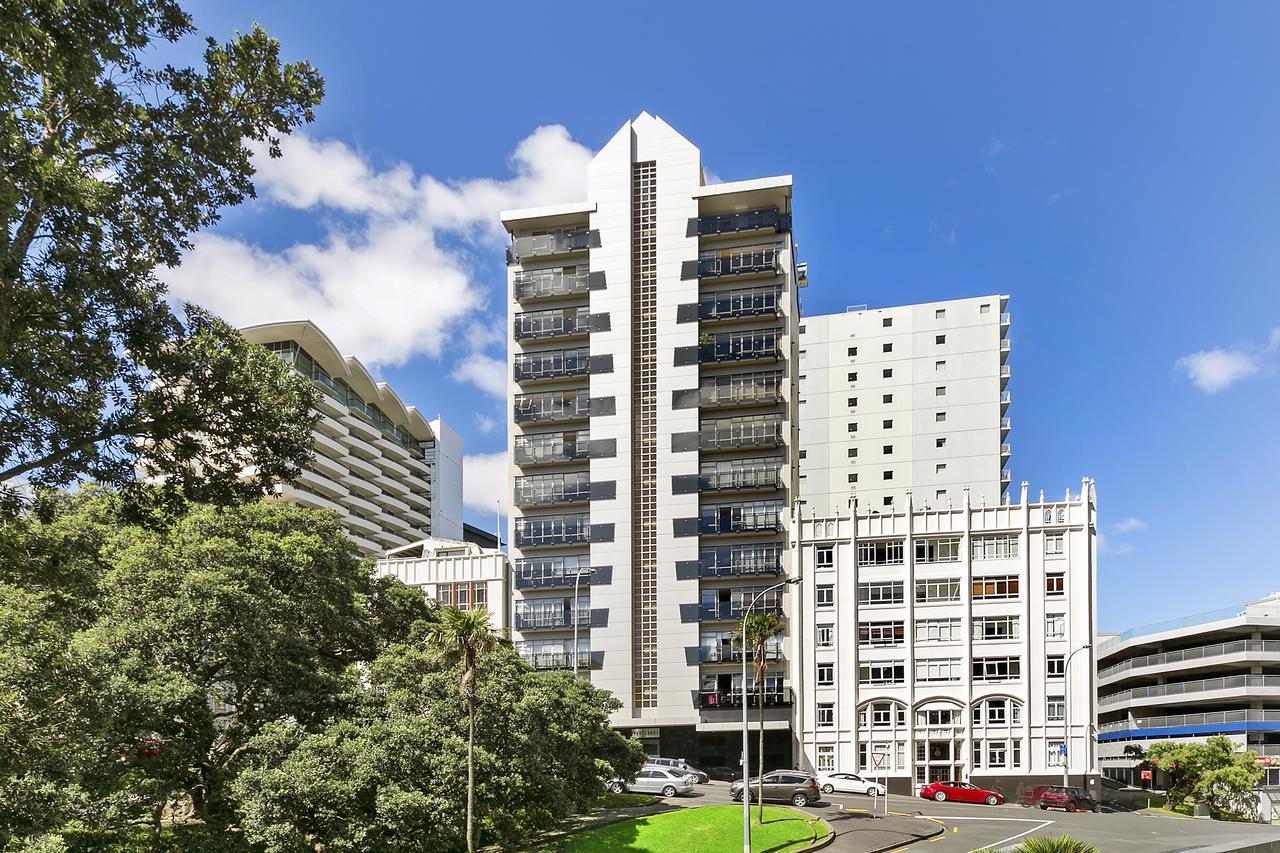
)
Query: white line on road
[{"x": 997, "y": 845}]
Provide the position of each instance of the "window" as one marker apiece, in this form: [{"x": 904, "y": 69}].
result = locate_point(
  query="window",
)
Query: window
[
  {"x": 984, "y": 308},
  {"x": 852, "y": 352},
  {"x": 1053, "y": 544},
  {"x": 995, "y": 628},
  {"x": 938, "y": 717},
  {"x": 888, "y": 450},
  {"x": 853, "y": 478},
  {"x": 940, "y": 365},
  {"x": 997, "y": 753},
  {"x": 853, "y": 453},
  {"x": 940, "y": 391},
  {"x": 887, "y": 373},
  {"x": 887, "y": 424},
  {"x": 888, "y": 475},
  {"x": 1002, "y": 546},
  {"x": 826, "y": 674},
  {"x": 1055, "y": 626},
  {"x": 882, "y": 672},
  {"x": 880, "y": 715},
  {"x": 1055, "y": 583},
  {"x": 888, "y": 501},
  {"x": 939, "y": 442},
  {"x": 1054, "y": 750},
  {"x": 853, "y": 377},
  {"x": 940, "y": 468},
  {"x": 938, "y": 550},
  {"x": 825, "y": 556},
  {"x": 1055, "y": 666},
  {"x": 997, "y": 669},
  {"x": 886, "y": 322},
  {"x": 935, "y": 670},
  {"x": 999, "y": 712},
  {"x": 1055, "y": 709},
  {"x": 826, "y": 595},
  {"x": 995, "y": 588},
  {"x": 804, "y": 454},
  {"x": 886, "y": 348},
  {"x": 826, "y": 759},
  {"x": 887, "y": 553},
  {"x": 853, "y": 401},
  {"x": 940, "y": 494},
  {"x": 878, "y": 592},
  {"x": 881, "y": 633},
  {"x": 1015, "y": 753},
  {"x": 887, "y": 398},
  {"x": 939, "y": 417},
  {"x": 853, "y": 427},
  {"x": 937, "y": 631},
  {"x": 802, "y": 330},
  {"x": 824, "y": 637},
  {"x": 938, "y": 590},
  {"x": 468, "y": 595}
]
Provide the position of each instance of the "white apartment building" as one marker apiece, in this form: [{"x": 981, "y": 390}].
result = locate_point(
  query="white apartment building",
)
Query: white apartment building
[
  {"x": 455, "y": 574},
  {"x": 652, "y": 344},
  {"x": 936, "y": 644},
  {"x": 910, "y": 398},
  {"x": 393, "y": 477}
]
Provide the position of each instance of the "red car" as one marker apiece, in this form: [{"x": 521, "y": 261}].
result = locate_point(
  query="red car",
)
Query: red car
[{"x": 961, "y": 792}]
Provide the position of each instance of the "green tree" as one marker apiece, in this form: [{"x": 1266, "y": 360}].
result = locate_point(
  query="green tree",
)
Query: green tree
[
  {"x": 1212, "y": 773},
  {"x": 463, "y": 637},
  {"x": 760, "y": 629},
  {"x": 107, "y": 166}
]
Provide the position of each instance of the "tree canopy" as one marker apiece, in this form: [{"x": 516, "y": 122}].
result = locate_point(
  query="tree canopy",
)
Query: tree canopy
[{"x": 1212, "y": 772}]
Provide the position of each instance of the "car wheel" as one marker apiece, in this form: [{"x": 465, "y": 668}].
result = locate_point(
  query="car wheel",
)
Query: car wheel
[
  {"x": 991, "y": 799},
  {"x": 828, "y": 788},
  {"x": 615, "y": 787},
  {"x": 1097, "y": 808},
  {"x": 669, "y": 791},
  {"x": 1042, "y": 804},
  {"x": 871, "y": 792},
  {"x": 940, "y": 796},
  {"x": 800, "y": 800}
]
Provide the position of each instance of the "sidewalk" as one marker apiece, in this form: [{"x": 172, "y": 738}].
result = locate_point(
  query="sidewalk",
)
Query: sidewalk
[{"x": 857, "y": 831}]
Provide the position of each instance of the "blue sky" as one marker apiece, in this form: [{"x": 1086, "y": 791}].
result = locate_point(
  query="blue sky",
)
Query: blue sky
[{"x": 1114, "y": 168}]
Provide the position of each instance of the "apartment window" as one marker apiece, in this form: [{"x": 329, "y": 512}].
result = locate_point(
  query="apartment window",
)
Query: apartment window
[
  {"x": 935, "y": 717},
  {"x": 852, "y": 352},
  {"x": 940, "y": 468},
  {"x": 1054, "y": 749},
  {"x": 887, "y": 398},
  {"x": 880, "y": 715},
  {"x": 826, "y": 674},
  {"x": 939, "y": 495},
  {"x": 886, "y": 553},
  {"x": 886, "y": 348},
  {"x": 1002, "y": 546},
  {"x": 853, "y": 377},
  {"x": 853, "y": 453},
  {"x": 984, "y": 308},
  {"x": 995, "y": 588},
  {"x": 937, "y": 631},
  {"x": 997, "y": 753},
  {"x": 881, "y": 633},
  {"x": 887, "y": 373},
  {"x": 878, "y": 592},
  {"x": 997, "y": 669},
  {"x": 887, "y": 424},
  {"x": 1055, "y": 584},
  {"x": 936, "y": 670},
  {"x": 1055, "y": 626},
  {"x": 1053, "y": 544},
  {"x": 888, "y": 450},
  {"x": 824, "y": 556},
  {"x": 826, "y": 715},
  {"x": 995, "y": 628},
  {"x": 940, "y": 365},
  {"x": 1055, "y": 709},
  {"x": 824, "y": 637},
  {"x": 882, "y": 672},
  {"x": 826, "y": 595},
  {"x": 886, "y": 322},
  {"x": 804, "y": 454},
  {"x": 937, "y": 591},
  {"x": 939, "y": 417},
  {"x": 888, "y": 475},
  {"x": 853, "y": 427},
  {"x": 888, "y": 501},
  {"x": 802, "y": 330},
  {"x": 939, "y": 442},
  {"x": 999, "y": 712},
  {"x": 853, "y": 401},
  {"x": 1055, "y": 666},
  {"x": 826, "y": 759},
  {"x": 940, "y": 339},
  {"x": 940, "y": 314},
  {"x": 1015, "y": 753},
  {"x": 940, "y": 391},
  {"x": 853, "y": 478},
  {"x": 468, "y": 595}
]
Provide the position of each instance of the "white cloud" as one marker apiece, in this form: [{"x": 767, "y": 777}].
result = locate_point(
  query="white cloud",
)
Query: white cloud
[
  {"x": 484, "y": 478},
  {"x": 484, "y": 371},
  {"x": 945, "y": 236},
  {"x": 486, "y": 423},
  {"x": 1129, "y": 525},
  {"x": 393, "y": 275},
  {"x": 1216, "y": 369},
  {"x": 1116, "y": 549}
]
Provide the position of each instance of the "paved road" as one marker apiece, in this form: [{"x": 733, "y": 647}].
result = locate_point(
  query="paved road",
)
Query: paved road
[{"x": 971, "y": 827}]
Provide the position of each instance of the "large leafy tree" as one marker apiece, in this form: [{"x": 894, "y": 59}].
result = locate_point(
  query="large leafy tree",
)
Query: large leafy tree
[
  {"x": 107, "y": 166},
  {"x": 1212, "y": 772}
]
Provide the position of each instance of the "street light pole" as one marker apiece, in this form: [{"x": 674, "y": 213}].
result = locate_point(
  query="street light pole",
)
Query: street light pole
[
  {"x": 746, "y": 734},
  {"x": 1066, "y": 716},
  {"x": 577, "y": 576}
]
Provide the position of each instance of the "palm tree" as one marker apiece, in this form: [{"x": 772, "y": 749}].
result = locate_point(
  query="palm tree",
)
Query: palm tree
[
  {"x": 760, "y": 629},
  {"x": 463, "y": 636}
]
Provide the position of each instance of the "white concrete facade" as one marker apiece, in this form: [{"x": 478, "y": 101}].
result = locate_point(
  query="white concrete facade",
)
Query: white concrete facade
[
  {"x": 936, "y": 637},
  {"x": 455, "y": 573},
  {"x": 644, "y": 320},
  {"x": 446, "y": 481},
  {"x": 373, "y": 455},
  {"x": 909, "y": 398}
]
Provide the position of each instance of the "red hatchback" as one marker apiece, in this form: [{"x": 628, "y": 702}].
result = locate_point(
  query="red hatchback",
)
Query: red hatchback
[{"x": 961, "y": 792}]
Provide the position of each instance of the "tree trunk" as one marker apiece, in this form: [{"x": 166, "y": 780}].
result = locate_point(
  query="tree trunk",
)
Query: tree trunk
[
  {"x": 760, "y": 750},
  {"x": 471, "y": 771}
]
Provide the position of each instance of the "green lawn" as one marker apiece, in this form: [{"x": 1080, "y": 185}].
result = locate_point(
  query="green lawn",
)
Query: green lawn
[{"x": 708, "y": 829}]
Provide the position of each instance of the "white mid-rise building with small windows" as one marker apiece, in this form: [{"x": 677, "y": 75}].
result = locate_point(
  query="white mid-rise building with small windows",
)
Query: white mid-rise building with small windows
[
  {"x": 455, "y": 573},
  {"x": 913, "y": 397},
  {"x": 949, "y": 643}
]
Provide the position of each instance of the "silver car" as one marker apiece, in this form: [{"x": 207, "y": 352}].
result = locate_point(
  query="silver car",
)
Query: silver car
[
  {"x": 654, "y": 780},
  {"x": 678, "y": 765}
]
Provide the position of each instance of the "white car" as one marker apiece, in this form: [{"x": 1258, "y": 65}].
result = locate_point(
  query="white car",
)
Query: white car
[{"x": 848, "y": 783}]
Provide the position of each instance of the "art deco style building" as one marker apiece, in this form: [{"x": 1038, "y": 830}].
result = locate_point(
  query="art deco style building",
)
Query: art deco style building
[
  {"x": 1189, "y": 679},
  {"x": 457, "y": 574},
  {"x": 911, "y": 398},
  {"x": 936, "y": 644},
  {"x": 393, "y": 477},
  {"x": 653, "y": 344}
]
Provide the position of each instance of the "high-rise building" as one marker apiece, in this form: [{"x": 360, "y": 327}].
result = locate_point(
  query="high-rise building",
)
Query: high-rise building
[
  {"x": 911, "y": 398},
  {"x": 377, "y": 463},
  {"x": 653, "y": 345},
  {"x": 950, "y": 643}
]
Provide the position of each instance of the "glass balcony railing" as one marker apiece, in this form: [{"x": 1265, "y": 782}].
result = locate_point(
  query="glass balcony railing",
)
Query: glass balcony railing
[
  {"x": 551, "y": 243},
  {"x": 741, "y": 479},
  {"x": 563, "y": 660},
  {"x": 746, "y": 346},
  {"x": 739, "y": 304},
  {"x": 1240, "y": 683},
  {"x": 1209, "y": 718},
  {"x": 769, "y": 218},
  {"x": 553, "y": 283},
  {"x": 552, "y": 407},
  {"x": 552, "y": 323},
  {"x": 777, "y": 698},
  {"x": 725, "y": 561},
  {"x": 551, "y": 619},
  {"x": 551, "y": 489},
  {"x": 548, "y": 448},
  {"x": 732, "y": 612},
  {"x": 544, "y": 531},
  {"x": 728, "y": 654},
  {"x": 741, "y": 389},
  {"x": 724, "y": 520},
  {"x": 554, "y": 364},
  {"x": 747, "y": 260},
  {"x": 555, "y": 573},
  {"x": 736, "y": 433}
]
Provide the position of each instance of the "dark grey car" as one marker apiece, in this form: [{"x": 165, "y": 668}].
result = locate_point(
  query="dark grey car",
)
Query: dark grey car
[{"x": 783, "y": 786}]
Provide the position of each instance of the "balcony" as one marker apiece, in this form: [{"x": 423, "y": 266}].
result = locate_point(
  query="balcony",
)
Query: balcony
[
  {"x": 727, "y": 521},
  {"x": 1240, "y": 684},
  {"x": 749, "y": 389},
  {"x": 552, "y": 489},
  {"x": 732, "y": 611},
  {"x": 744, "y": 261},
  {"x": 551, "y": 448},
  {"x": 1004, "y": 319},
  {"x": 740, "y": 434},
  {"x": 1226, "y": 720},
  {"x": 1005, "y": 373},
  {"x": 564, "y": 660},
  {"x": 759, "y": 346},
  {"x": 532, "y": 285},
  {"x": 551, "y": 244},
  {"x": 1193, "y": 655},
  {"x": 765, "y": 219},
  {"x": 1005, "y": 425},
  {"x": 740, "y": 304},
  {"x": 556, "y": 407},
  {"x": 727, "y": 654},
  {"x": 727, "y": 561},
  {"x": 553, "y": 364},
  {"x": 763, "y": 478},
  {"x": 552, "y": 324},
  {"x": 1006, "y": 451},
  {"x": 776, "y": 698},
  {"x": 553, "y": 574},
  {"x": 551, "y": 620},
  {"x": 1006, "y": 477},
  {"x": 551, "y": 530}
]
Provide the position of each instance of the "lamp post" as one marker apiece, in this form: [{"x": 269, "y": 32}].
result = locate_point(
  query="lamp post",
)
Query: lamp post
[
  {"x": 746, "y": 735},
  {"x": 1066, "y": 715},
  {"x": 577, "y": 576}
]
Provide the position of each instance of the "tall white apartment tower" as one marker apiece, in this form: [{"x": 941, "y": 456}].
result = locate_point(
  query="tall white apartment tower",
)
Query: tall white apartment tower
[
  {"x": 907, "y": 398},
  {"x": 652, "y": 389}
]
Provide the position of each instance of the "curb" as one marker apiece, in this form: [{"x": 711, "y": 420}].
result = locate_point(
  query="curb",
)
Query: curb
[
  {"x": 938, "y": 830},
  {"x": 826, "y": 841}
]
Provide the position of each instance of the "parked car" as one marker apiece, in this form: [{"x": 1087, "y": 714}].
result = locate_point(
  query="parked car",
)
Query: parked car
[
  {"x": 786, "y": 786},
  {"x": 724, "y": 774},
  {"x": 677, "y": 764},
  {"x": 653, "y": 780},
  {"x": 961, "y": 792},
  {"x": 848, "y": 783},
  {"x": 696, "y": 777},
  {"x": 1058, "y": 797}
]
